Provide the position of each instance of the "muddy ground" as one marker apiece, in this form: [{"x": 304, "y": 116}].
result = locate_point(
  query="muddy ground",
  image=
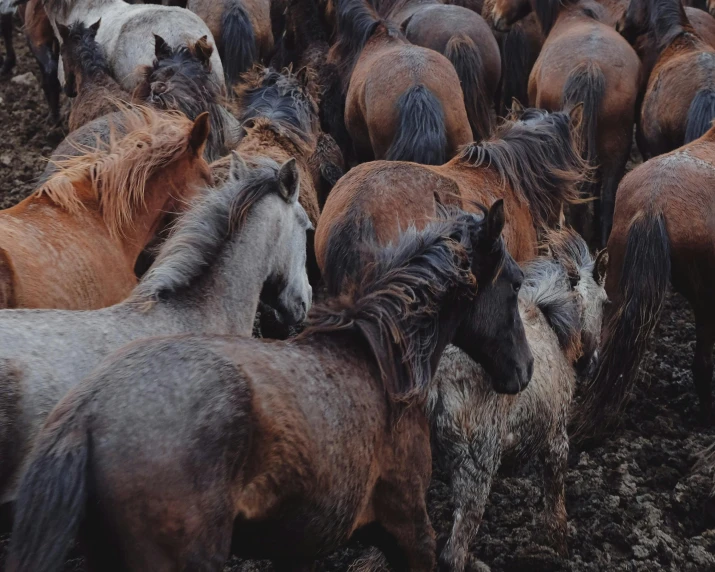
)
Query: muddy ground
[{"x": 634, "y": 503}]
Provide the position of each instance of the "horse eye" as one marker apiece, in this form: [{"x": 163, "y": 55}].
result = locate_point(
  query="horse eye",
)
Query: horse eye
[{"x": 517, "y": 287}]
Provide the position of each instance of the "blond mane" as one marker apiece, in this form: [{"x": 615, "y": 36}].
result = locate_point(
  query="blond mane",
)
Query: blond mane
[{"x": 118, "y": 170}]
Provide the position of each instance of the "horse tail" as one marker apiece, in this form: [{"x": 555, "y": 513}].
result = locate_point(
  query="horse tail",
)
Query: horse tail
[
  {"x": 7, "y": 281},
  {"x": 515, "y": 71},
  {"x": 700, "y": 114},
  {"x": 467, "y": 61},
  {"x": 586, "y": 84},
  {"x": 421, "y": 135},
  {"x": 52, "y": 494},
  {"x": 645, "y": 274},
  {"x": 343, "y": 253},
  {"x": 239, "y": 42}
]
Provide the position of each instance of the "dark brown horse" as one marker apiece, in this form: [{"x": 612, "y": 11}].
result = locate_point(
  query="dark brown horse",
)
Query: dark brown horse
[
  {"x": 8, "y": 62},
  {"x": 87, "y": 77},
  {"x": 202, "y": 446},
  {"x": 679, "y": 101},
  {"x": 663, "y": 232},
  {"x": 532, "y": 163},
  {"x": 403, "y": 102},
  {"x": 584, "y": 60}
]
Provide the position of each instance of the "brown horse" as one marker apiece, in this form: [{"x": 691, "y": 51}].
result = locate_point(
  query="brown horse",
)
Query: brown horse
[
  {"x": 8, "y": 62},
  {"x": 73, "y": 243},
  {"x": 41, "y": 39},
  {"x": 679, "y": 101},
  {"x": 87, "y": 76},
  {"x": 703, "y": 24},
  {"x": 202, "y": 446},
  {"x": 242, "y": 31},
  {"x": 584, "y": 60},
  {"x": 402, "y": 102},
  {"x": 663, "y": 231},
  {"x": 532, "y": 163}
]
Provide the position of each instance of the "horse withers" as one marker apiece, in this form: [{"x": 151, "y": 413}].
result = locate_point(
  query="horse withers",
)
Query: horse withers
[{"x": 312, "y": 441}]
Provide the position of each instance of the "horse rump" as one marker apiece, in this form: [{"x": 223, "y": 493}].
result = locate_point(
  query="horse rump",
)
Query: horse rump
[
  {"x": 467, "y": 61},
  {"x": 644, "y": 279},
  {"x": 239, "y": 41},
  {"x": 700, "y": 114},
  {"x": 421, "y": 135},
  {"x": 52, "y": 495}
]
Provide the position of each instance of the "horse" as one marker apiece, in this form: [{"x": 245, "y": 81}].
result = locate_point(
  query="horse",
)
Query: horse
[
  {"x": 42, "y": 42},
  {"x": 703, "y": 24},
  {"x": 242, "y": 31},
  {"x": 236, "y": 244},
  {"x": 531, "y": 162},
  {"x": 87, "y": 77},
  {"x": 402, "y": 102},
  {"x": 585, "y": 60},
  {"x": 662, "y": 233},
  {"x": 128, "y": 29},
  {"x": 181, "y": 79},
  {"x": 73, "y": 243},
  {"x": 7, "y": 63},
  {"x": 314, "y": 441},
  {"x": 561, "y": 303},
  {"x": 679, "y": 101}
]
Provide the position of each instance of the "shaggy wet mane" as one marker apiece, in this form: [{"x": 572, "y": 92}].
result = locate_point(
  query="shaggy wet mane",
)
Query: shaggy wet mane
[
  {"x": 119, "y": 170},
  {"x": 200, "y": 234},
  {"x": 395, "y": 305},
  {"x": 85, "y": 52},
  {"x": 538, "y": 158}
]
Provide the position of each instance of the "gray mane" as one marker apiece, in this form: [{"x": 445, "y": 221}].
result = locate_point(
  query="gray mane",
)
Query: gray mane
[
  {"x": 547, "y": 287},
  {"x": 199, "y": 236}
]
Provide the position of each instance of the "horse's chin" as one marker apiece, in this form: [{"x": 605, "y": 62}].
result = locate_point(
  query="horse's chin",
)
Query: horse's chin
[{"x": 512, "y": 380}]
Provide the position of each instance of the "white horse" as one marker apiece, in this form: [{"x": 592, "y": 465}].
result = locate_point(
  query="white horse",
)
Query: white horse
[{"x": 127, "y": 33}]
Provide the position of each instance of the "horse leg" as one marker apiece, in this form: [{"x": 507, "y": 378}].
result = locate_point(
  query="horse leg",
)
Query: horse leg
[
  {"x": 10, "y": 58},
  {"x": 472, "y": 473},
  {"x": 555, "y": 465},
  {"x": 611, "y": 176},
  {"x": 47, "y": 58},
  {"x": 703, "y": 362}
]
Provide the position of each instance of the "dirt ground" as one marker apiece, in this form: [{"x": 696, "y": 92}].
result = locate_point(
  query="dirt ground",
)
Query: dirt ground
[{"x": 634, "y": 503}]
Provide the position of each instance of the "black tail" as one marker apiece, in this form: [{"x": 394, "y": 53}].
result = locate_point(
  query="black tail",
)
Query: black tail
[
  {"x": 700, "y": 114},
  {"x": 644, "y": 279},
  {"x": 466, "y": 59},
  {"x": 517, "y": 62},
  {"x": 52, "y": 496},
  {"x": 239, "y": 42},
  {"x": 345, "y": 251},
  {"x": 421, "y": 135}
]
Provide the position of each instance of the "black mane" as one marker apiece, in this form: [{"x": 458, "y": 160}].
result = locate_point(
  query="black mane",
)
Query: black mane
[{"x": 84, "y": 52}]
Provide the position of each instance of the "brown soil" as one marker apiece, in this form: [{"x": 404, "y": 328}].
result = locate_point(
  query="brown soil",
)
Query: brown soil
[{"x": 634, "y": 503}]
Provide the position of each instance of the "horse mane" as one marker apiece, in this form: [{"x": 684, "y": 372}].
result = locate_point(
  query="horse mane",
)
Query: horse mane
[
  {"x": 86, "y": 51},
  {"x": 199, "y": 235},
  {"x": 278, "y": 102},
  {"x": 119, "y": 169},
  {"x": 668, "y": 21},
  {"x": 395, "y": 304},
  {"x": 538, "y": 157},
  {"x": 547, "y": 12},
  {"x": 357, "y": 23}
]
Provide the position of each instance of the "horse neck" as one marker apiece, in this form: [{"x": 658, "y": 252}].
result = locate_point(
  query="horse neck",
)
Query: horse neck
[{"x": 225, "y": 299}]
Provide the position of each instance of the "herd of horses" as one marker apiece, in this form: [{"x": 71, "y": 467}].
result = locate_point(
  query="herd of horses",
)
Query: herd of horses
[{"x": 439, "y": 174}]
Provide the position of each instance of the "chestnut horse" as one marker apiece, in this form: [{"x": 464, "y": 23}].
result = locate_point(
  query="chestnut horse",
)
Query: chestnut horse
[
  {"x": 73, "y": 243},
  {"x": 663, "y": 232},
  {"x": 202, "y": 446},
  {"x": 584, "y": 60},
  {"x": 402, "y": 102},
  {"x": 532, "y": 163},
  {"x": 241, "y": 29},
  {"x": 679, "y": 101}
]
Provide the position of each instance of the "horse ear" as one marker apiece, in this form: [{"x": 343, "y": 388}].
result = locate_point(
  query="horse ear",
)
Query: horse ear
[
  {"x": 238, "y": 169},
  {"x": 516, "y": 109},
  {"x": 600, "y": 267},
  {"x": 200, "y": 133},
  {"x": 204, "y": 50},
  {"x": 161, "y": 48},
  {"x": 289, "y": 180},
  {"x": 94, "y": 27},
  {"x": 64, "y": 32},
  {"x": 576, "y": 116},
  {"x": 495, "y": 220}
]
